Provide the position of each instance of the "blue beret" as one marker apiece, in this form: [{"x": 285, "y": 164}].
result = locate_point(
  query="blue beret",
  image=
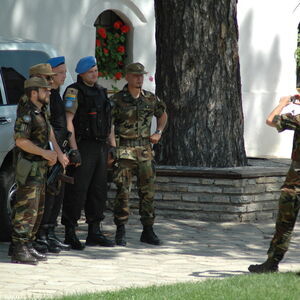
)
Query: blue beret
[
  {"x": 56, "y": 61},
  {"x": 85, "y": 64}
]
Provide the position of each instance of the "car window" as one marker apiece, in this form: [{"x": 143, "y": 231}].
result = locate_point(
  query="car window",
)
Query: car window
[
  {"x": 14, "y": 66},
  {"x": 22, "y": 60}
]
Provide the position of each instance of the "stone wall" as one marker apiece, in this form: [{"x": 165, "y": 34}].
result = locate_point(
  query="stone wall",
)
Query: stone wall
[{"x": 231, "y": 194}]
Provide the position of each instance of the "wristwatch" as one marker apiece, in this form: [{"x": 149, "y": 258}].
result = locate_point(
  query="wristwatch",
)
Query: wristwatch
[{"x": 157, "y": 131}]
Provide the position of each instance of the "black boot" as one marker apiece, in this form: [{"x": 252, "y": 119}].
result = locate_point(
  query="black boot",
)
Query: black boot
[
  {"x": 96, "y": 238},
  {"x": 120, "y": 235},
  {"x": 42, "y": 239},
  {"x": 148, "y": 236},
  {"x": 54, "y": 240},
  {"x": 39, "y": 256},
  {"x": 269, "y": 266},
  {"x": 72, "y": 240},
  {"x": 21, "y": 255}
]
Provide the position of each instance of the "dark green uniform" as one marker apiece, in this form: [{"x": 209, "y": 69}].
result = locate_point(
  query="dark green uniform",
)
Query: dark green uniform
[
  {"x": 132, "y": 120},
  {"x": 31, "y": 170},
  {"x": 289, "y": 202}
]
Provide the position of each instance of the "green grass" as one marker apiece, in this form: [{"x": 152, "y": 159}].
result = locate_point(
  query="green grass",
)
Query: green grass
[{"x": 281, "y": 286}]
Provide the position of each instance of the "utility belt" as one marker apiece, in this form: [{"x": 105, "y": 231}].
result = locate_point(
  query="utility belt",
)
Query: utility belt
[
  {"x": 134, "y": 142},
  {"x": 92, "y": 139},
  {"x": 33, "y": 157}
]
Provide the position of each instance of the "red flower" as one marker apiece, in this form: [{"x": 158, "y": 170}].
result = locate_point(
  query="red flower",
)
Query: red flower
[
  {"x": 118, "y": 75},
  {"x": 98, "y": 43},
  {"x": 105, "y": 51},
  {"x": 118, "y": 24},
  {"x": 100, "y": 74},
  {"x": 125, "y": 28},
  {"x": 120, "y": 63},
  {"x": 121, "y": 49},
  {"x": 102, "y": 32}
]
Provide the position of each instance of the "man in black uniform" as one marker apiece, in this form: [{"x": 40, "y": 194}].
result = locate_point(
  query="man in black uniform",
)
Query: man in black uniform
[
  {"x": 88, "y": 119},
  {"x": 46, "y": 234}
]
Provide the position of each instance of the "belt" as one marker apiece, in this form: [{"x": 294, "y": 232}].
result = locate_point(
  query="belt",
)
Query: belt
[{"x": 134, "y": 142}]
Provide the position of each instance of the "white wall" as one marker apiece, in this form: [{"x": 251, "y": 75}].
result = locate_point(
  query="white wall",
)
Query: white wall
[
  {"x": 68, "y": 26},
  {"x": 268, "y": 39}
]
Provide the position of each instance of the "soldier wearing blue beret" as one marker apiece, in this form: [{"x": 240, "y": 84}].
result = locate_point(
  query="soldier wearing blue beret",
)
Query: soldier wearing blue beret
[
  {"x": 88, "y": 118},
  {"x": 54, "y": 195}
]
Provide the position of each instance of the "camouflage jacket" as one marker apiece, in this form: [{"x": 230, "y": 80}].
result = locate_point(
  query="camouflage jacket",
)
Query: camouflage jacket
[
  {"x": 132, "y": 117},
  {"x": 291, "y": 122},
  {"x": 32, "y": 124}
]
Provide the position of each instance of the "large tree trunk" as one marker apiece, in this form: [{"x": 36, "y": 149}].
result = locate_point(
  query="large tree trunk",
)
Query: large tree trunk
[{"x": 198, "y": 77}]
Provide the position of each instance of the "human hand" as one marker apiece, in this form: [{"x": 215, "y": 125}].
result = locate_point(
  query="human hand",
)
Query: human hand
[
  {"x": 154, "y": 138},
  {"x": 63, "y": 159},
  {"x": 51, "y": 156}
]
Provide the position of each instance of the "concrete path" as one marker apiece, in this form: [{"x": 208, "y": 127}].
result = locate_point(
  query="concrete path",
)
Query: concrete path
[{"x": 192, "y": 251}]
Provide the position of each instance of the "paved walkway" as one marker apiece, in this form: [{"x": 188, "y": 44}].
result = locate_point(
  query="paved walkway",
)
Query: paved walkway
[{"x": 192, "y": 251}]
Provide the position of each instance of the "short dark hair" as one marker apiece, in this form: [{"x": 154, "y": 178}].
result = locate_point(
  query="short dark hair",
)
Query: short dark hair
[{"x": 29, "y": 90}]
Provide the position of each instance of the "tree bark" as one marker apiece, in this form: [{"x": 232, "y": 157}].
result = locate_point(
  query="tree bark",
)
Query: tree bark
[{"x": 198, "y": 76}]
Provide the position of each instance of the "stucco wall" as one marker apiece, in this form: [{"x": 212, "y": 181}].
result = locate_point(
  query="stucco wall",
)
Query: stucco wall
[{"x": 268, "y": 39}]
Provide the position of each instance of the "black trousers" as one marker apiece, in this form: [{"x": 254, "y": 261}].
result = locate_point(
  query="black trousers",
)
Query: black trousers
[
  {"x": 89, "y": 191},
  {"x": 52, "y": 207}
]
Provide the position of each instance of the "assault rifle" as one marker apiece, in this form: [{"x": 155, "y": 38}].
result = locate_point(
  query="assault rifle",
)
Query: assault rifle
[{"x": 57, "y": 173}]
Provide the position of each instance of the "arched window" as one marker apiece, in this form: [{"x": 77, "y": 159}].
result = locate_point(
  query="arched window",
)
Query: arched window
[{"x": 111, "y": 49}]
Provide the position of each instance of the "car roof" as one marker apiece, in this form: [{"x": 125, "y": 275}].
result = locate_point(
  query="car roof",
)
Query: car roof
[{"x": 24, "y": 44}]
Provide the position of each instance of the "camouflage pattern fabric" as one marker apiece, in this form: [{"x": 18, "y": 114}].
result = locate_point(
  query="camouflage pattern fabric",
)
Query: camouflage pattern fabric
[
  {"x": 145, "y": 172},
  {"x": 27, "y": 211},
  {"x": 132, "y": 121},
  {"x": 289, "y": 203},
  {"x": 132, "y": 117}
]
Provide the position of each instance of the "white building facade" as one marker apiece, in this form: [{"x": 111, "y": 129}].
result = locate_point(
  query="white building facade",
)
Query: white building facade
[{"x": 268, "y": 39}]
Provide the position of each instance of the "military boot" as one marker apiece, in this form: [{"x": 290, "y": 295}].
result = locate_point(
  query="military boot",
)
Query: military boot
[
  {"x": 39, "y": 256},
  {"x": 42, "y": 239},
  {"x": 54, "y": 240},
  {"x": 269, "y": 266},
  {"x": 72, "y": 239},
  {"x": 21, "y": 255},
  {"x": 120, "y": 235},
  {"x": 148, "y": 236},
  {"x": 96, "y": 237}
]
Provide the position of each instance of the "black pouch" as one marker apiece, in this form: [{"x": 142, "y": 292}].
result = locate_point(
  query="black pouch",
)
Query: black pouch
[{"x": 23, "y": 169}]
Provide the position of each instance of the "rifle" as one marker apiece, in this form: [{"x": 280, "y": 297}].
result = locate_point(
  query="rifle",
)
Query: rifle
[{"x": 57, "y": 173}]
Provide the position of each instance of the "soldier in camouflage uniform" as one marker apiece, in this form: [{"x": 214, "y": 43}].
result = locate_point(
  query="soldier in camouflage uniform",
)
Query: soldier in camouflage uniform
[
  {"x": 32, "y": 135},
  {"x": 133, "y": 110},
  {"x": 289, "y": 201}
]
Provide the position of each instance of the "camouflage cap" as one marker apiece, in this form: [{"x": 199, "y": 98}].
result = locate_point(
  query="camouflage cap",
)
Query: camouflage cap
[
  {"x": 41, "y": 69},
  {"x": 36, "y": 82},
  {"x": 135, "y": 68}
]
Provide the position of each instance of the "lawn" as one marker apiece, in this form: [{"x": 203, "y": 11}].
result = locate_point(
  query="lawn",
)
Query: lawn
[{"x": 281, "y": 286}]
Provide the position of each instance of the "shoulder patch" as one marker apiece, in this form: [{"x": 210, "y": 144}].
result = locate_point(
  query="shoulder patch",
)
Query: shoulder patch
[
  {"x": 26, "y": 118},
  {"x": 70, "y": 97}
]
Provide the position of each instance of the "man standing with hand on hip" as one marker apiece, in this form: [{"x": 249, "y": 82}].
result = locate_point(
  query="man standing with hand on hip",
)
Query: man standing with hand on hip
[{"x": 133, "y": 110}]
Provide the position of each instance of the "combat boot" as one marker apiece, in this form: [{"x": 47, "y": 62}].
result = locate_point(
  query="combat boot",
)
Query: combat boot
[
  {"x": 148, "y": 236},
  {"x": 21, "y": 255},
  {"x": 42, "y": 239},
  {"x": 269, "y": 266},
  {"x": 96, "y": 237},
  {"x": 120, "y": 235},
  {"x": 72, "y": 239},
  {"x": 39, "y": 256},
  {"x": 54, "y": 240}
]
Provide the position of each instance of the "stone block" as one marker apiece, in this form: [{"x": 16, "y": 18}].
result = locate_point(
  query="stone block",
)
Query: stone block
[
  {"x": 190, "y": 197},
  {"x": 242, "y": 199},
  {"x": 254, "y": 189},
  {"x": 205, "y": 189},
  {"x": 221, "y": 199},
  {"x": 273, "y": 187},
  {"x": 171, "y": 196}
]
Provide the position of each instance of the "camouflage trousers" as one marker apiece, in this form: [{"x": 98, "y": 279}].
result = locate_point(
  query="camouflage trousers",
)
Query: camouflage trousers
[
  {"x": 289, "y": 204},
  {"x": 28, "y": 209},
  {"x": 123, "y": 174}
]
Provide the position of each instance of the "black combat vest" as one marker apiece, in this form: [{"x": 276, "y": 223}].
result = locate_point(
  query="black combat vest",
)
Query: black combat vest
[{"x": 92, "y": 120}]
